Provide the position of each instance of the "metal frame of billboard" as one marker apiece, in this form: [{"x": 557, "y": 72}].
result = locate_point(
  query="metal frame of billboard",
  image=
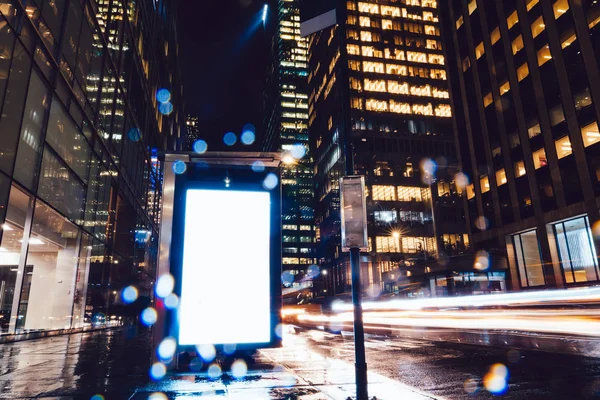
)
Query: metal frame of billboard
[{"x": 206, "y": 171}]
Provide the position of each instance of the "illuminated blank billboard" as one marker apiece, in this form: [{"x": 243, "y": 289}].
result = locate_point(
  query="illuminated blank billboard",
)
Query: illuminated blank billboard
[{"x": 225, "y": 293}]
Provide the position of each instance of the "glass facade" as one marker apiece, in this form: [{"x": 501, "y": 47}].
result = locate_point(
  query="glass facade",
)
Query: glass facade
[
  {"x": 522, "y": 77},
  {"x": 287, "y": 132},
  {"x": 379, "y": 107},
  {"x": 79, "y": 181}
]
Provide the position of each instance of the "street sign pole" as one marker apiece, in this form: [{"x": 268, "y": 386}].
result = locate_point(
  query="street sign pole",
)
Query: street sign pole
[{"x": 354, "y": 239}]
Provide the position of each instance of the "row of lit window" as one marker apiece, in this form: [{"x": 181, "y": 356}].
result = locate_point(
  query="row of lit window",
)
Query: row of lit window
[
  {"x": 395, "y": 87},
  {"x": 385, "y": 23},
  {"x": 294, "y": 260},
  {"x": 392, "y": 216},
  {"x": 295, "y": 227},
  {"x": 376, "y": 67},
  {"x": 396, "y": 54},
  {"x": 294, "y": 250},
  {"x": 400, "y": 193},
  {"x": 590, "y": 135},
  {"x": 385, "y": 10},
  {"x": 441, "y": 110},
  {"x": 404, "y": 244},
  {"x": 295, "y": 239}
]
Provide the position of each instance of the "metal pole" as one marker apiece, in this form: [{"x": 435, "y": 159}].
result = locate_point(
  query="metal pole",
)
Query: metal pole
[{"x": 359, "y": 332}]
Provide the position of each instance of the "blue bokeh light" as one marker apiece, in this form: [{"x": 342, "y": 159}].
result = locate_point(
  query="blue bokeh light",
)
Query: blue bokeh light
[
  {"x": 163, "y": 95},
  {"x": 248, "y": 138},
  {"x": 298, "y": 151},
  {"x": 134, "y": 135},
  {"x": 166, "y": 349},
  {"x": 214, "y": 371},
  {"x": 239, "y": 369},
  {"x": 171, "y": 301},
  {"x": 179, "y": 167},
  {"x": 149, "y": 316},
  {"x": 313, "y": 271},
  {"x": 270, "y": 181},
  {"x": 200, "y": 146},
  {"x": 258, "y": 166},
  {"x": 230, "y": 138},
  {"x": 287, "y": 278},
  {"x": 165, "y": 108},
  {"x": 165, "y": 285},
  {"x": 129, "y": 294},
  {"x": 158, "y": 371}
]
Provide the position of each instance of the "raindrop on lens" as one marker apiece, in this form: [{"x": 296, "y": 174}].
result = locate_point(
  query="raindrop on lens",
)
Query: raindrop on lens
[
  {"x": 163, "y": 95},
  {"x": 134, "y": 135},
  {"x": 230, "y": 138},
  {"x": 207, "y": 352},
  {"x": 158, "y": 396},
  {"x": 270, "y": 181},
  {"x": 239, "y": 369},
  {"x": 171, "y": 301},
  {"x": 179, "y": 167},
  {"x": 258, "y": 166},
  {"x": 129, "y": 294},
  {"x": 165, "y": 285},
  {"x": 97, "y": 397},
  {"x": 214, "y": 371},
  {"x": 200, "y": 146},
  {"x": 166, "y": 348},
  {"x": 165, "y": 108},
  {"x": 158, "y": 371},
  {"x": 149, "y": 316},
  {"x": 313, "y": 271},
  {"x": 287, "y": 278}
]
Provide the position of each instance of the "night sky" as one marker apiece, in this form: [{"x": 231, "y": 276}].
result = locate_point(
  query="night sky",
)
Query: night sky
[{"x": 224, "y": 62}]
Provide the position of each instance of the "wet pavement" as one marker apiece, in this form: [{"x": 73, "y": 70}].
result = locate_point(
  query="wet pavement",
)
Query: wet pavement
[{"x": 312, "y": 365}]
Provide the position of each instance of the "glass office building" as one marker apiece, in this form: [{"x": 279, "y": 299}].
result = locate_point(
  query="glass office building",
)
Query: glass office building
[
  {"x": 526, "y": 89},
  {"x": 286, "y": 126},
  {"x": 379, "y": 107},
  {"x": 79, "y": 183}
]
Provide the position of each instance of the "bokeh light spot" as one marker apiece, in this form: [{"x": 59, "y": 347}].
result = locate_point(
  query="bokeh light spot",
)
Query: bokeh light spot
[
  {"x": 270, "y": 181},
  {"x": 279, "y": 331},
  {"x": 200, "y": 146},
  {"x": 166, "y": 348},
  {"x": 214, "y": 371},
  {"x": 171, "y": 301},
  {"x": 134, "y": 135},
  {"x": 129, "y": 294},
  {"x": 258, "y": 166},
  {"x": 248, "y": 138},
  {"x": 163, "y": 95},
  {"x": 239, "y": 369},
  {"x": 179, "y": 167},
  {"x": 496, "y": 380},
  {"x": 165, "y": 285},
  {"x": 313, "y": 271},
  {"x": 196, "y": 364},
  {"x": 97, "y": 397},
  {"x": 482, "y": 260},
  {"x": 298, "y": 151},
  {"x": 482, "y": 223},
  {"x": 165, "y": 108},
  {"x": 230, "y": 138},
  {"x": 471, "y": 386},
  {"x": 462, "y": 180},
  {"x": 229, "y": 349},
  {"x": 149, "y": 316},
  {"x": 287, "y": 278},
  {"x": 158, "y": 371},
  {"x": 158, "y": 396},
  {"x": 207, "y": 352}
]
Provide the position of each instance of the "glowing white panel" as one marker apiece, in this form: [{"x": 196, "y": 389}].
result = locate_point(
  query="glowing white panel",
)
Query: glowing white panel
[{"x": 225, "y": 294}]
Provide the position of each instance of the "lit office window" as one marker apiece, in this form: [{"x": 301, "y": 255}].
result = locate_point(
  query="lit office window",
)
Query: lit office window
[
  {"x": 504, "y": 88},
  {"x": 371, "y": 66},
  {"x": 470, "y": 191},
  {"x": 479, "y": 50},
  {"x": 368, "y": 8},
  {"x": 353, "y": 49},
  {"x": 560, "y": 7},
  {"x": 386, "y": 217},
  {"x": 459, "y": 22},
  {"x": 390, "y": 11},
  {"x": 495, "y": 35},
  {"x": 543, "y": 55},
  {"x": 531, "y": 4},
  {"x": 520, "y": 169},
  {"x": 568, "y": 41},
  {"x": 400, "y": 107},
  {"x": 576, "y": 250},
  {"x": 384, "y": 193},
  {"x": 539, "y": 159},
  {"x": 485, "y": 184},
  {"x": 406, "y": 193},
  {"x": 387, "y": 244},
  {"x": 501, "y": 177},
  {"x": 376, "y": 105},
  {"x": 512, "y": 19},
  {"x": 538, "y": 26},
  {"x": 590, "y": 134},
  {"x": 563, "y": 147},
  {"x": 522, "y": 72},
  {"x": 488, "y": 99},
  {"x": 529, "y": 261},
  {"x": 472, "y": 6},
  {"x": 375, "y": 85},
  {"x": 365, "y": 21},
  {"x": 366, "y": 36},
  {"x": 397, "y": 87},
  {"x": 289, "y": 260},
  {"x": 517, "y": 44}
]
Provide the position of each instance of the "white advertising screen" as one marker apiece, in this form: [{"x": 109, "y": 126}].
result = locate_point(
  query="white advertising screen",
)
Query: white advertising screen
[{"x": 225, "y": 293}]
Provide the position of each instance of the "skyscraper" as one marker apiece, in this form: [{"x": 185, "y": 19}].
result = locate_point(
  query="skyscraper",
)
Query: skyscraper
[
  {"x": 79, "y": 186},
  {"x": 524, "y": 75},
  {"x": 192, "y": 131},
  {"x": 379, "y": 107},
  {"x": 286, "y": 124}
]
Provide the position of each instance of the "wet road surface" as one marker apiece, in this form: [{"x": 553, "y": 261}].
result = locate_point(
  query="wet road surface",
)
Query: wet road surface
[{"x": 312, "y": 365}]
